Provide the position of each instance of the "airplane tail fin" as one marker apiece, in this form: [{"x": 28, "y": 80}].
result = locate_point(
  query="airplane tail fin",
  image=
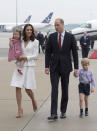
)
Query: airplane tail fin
[
  {"x": 28, "y": 19},
  {"x": 48, "y": 18}
]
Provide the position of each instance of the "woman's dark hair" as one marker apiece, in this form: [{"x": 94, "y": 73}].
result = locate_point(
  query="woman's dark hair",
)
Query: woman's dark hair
[{"x": 32, "y": 38}]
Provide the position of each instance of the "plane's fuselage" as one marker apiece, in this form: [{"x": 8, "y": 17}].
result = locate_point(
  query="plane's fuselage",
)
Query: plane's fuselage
[{"x": 90, "y": 27}]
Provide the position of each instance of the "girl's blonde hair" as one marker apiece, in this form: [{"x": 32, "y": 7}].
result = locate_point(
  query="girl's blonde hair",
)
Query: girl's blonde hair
[
  {"x": 85, "y": 61},
  {"x": 19, "y": 31}
]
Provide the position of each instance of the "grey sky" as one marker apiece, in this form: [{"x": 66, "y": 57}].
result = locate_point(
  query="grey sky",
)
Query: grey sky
[{"x": 72, "y": 11}]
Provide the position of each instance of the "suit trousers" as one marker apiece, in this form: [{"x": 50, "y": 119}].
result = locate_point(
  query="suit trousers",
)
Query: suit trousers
[
  {"x": 54, "y": 77},
  {"x": 85, "y": 51}
]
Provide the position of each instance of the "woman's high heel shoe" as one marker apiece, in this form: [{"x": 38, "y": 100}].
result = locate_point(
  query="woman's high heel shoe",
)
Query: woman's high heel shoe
[{"x": 20, "y": 114}]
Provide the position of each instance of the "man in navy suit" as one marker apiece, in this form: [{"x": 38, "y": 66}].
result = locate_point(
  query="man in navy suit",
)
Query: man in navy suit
[
  {"x": 58, "y": 62},
  {"x": 85, "y": 42},
  {"x": 40, "y": 37}
]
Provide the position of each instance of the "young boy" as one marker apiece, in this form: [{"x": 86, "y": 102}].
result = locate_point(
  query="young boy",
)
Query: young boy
[{"x": 85, "y": 79}]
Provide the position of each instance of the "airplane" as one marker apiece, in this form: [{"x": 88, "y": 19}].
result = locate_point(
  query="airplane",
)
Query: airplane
[
  {"x": 28, "y": 19},
  {"x": 7, "y": 27},
  {"x": 90, "y": 27},
  {"x": 42, "y": 26}
]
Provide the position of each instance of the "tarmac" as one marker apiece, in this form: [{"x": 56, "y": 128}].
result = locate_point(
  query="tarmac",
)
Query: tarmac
[
  {"x": 8, "y": 106},
  {"x": 73, "y": 122},
  {"x": 38, "y": 121}
]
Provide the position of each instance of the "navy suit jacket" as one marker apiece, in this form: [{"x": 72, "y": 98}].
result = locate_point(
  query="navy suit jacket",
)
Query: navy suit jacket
[
  {"x": 53, "y": 55},
  {"x": 87, "y": 40}
]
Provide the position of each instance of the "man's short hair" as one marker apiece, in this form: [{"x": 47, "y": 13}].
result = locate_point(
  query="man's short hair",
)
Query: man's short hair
[{"x": 61, "y": 20}]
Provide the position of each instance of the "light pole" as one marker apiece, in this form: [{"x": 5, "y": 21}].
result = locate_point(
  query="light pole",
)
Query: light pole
[{"x": 16, "y": 13}]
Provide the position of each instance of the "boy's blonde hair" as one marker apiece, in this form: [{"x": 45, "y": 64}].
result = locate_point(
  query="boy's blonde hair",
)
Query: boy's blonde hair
[{"x": 85, "y": 61}]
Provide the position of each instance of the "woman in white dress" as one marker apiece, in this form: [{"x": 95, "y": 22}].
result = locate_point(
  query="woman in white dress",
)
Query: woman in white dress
[{"x": 27, "y": 79}]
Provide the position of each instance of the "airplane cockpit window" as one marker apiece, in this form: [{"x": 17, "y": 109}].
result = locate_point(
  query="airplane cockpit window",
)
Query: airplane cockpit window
[
  {"x": 83, "y": 25},
  {"x": 86, "y": 25}
]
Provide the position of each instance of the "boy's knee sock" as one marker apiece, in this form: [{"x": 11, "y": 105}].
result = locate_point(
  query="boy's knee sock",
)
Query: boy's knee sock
[
  {"x": 86, "y": 109},
  {"x": 81, "y": 110}
]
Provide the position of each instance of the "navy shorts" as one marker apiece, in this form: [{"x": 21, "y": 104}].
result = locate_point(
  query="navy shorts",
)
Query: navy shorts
[{"x": 84, "y": 88}]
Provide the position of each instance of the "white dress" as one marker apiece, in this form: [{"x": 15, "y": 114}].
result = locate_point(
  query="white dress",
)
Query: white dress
[{"x": 27, "y": 80}]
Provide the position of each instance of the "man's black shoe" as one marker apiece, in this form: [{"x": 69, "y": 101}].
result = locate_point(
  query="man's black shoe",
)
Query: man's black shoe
[
  {"x": 63, "y": 115},
  {"x": 53, "y": 117}
]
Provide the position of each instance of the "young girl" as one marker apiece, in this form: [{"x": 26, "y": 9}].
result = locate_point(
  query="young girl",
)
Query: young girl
[
  {"x": 15, "y": 50},
  {"x": 85, "y": 79}
]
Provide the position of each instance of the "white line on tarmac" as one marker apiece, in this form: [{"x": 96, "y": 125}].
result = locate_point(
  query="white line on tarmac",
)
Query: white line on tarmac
[{"x": 3, "y": 58}]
